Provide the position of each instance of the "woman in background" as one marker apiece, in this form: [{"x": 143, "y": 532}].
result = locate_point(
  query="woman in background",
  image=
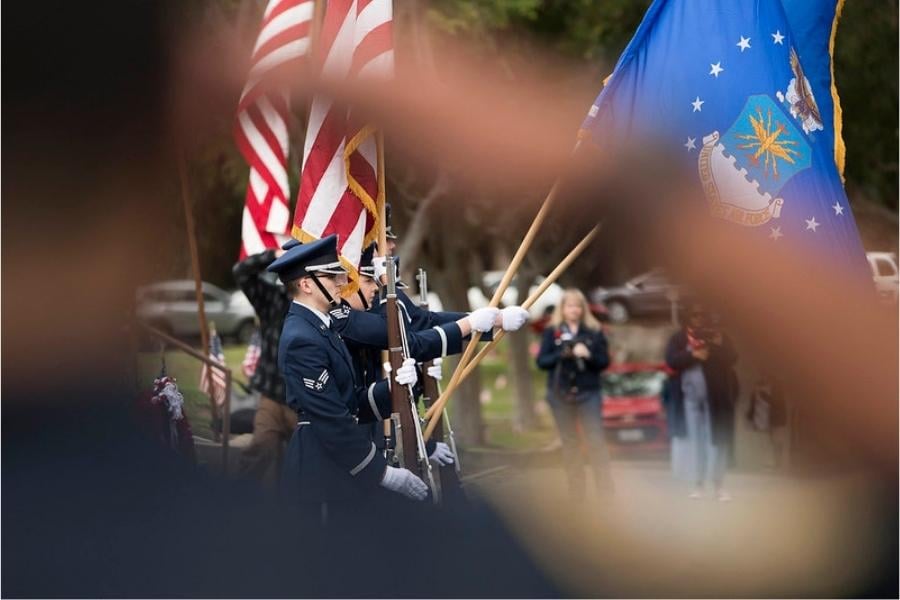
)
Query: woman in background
[
  {"x": 702, "y": 393},
  {"x": 573, "y": 351}
]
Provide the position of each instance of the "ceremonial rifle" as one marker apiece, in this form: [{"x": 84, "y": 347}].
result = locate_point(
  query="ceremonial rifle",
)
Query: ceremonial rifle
[
  {"x": 407, "y": 445},
  {"x": 432, "y": 391}
]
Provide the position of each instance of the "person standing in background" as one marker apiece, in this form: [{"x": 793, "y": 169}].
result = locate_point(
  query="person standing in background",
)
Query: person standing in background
[
  {"x": 274, "y": 421},
  {"x": 702, "y": 392},
  {"x": 574, "y": 352}
]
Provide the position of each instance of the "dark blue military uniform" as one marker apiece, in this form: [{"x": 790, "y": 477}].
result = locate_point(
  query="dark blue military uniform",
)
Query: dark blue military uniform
[
  {"x": 330, "y": 458},
  {"x": 365, "y": 334},
  {"x": 369, "y": 329},
  {"x": 417, "y": 318}
]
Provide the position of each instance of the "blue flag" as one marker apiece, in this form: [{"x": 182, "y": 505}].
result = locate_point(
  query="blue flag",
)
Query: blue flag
[
  {"x": 814, "y": 25},
  {"x": 721, "y": 84}
]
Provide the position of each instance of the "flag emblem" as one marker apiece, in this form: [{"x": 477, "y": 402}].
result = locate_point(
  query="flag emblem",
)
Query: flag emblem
[
  {"x": 742, "y": 170},
  {"x": 767, "y": 143},
  {"x": 799, "y": 98}
]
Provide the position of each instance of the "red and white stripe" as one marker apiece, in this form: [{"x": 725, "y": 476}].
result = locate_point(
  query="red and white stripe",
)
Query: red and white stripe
[
  {"x": 261, "y": 125},
  {"x": 212, "y": 381},
  {"x": 340, "y": 191}
]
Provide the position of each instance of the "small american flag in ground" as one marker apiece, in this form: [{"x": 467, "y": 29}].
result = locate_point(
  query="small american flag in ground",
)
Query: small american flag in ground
[
  {"x": 251, "y": 357},
  {"x": 212, "y": 381},
  {"x": 261, "y": 126}
]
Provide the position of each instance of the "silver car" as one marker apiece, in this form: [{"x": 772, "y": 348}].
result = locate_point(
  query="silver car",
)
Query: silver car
[
  {"x": 647, "y": 295},
  {"x": 172, "y": 307}
]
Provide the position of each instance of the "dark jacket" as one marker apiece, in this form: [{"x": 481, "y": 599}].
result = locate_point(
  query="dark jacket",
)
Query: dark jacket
[
  {"x": 721, "y": 385},
  {"x": 332, "y": 458},
  {"x": 566, "y": 373},
  {"x": 271, "y": 302},
  {"x": 365, "y": 334},
  {"x": 417, "y": 318}
]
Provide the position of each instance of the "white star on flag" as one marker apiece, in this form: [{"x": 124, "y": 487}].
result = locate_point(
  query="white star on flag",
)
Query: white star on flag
[
  {"x": 697, "y": 104},
  {"x": 838, "y": 209},
  {"x": 778, "y": 38},
  {"x": 812, "y": 224},
  {"x": 776, "y": 233},
  {"x": 716, "y": 69},
  {"x": 690, "y": 143},
  {"x": 744, "y": 43}
]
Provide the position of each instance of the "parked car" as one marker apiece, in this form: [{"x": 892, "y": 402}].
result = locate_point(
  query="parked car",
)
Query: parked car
[
  {"x": 491, "y": 281},
  {"x": 172, "y": 307},
  {"x": 648, "y": 294},
  {"x": 884, "y": 274},
  {"x": 633, "y": 413}
]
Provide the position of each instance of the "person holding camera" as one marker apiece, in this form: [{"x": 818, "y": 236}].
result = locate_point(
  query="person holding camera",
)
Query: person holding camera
[
  {"x": 702, "y": 392},
  {"x": 573, "y": 351}
]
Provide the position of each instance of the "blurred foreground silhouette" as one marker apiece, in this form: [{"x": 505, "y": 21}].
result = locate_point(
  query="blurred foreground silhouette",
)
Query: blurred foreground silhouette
[{"x": 94, "y": 122}]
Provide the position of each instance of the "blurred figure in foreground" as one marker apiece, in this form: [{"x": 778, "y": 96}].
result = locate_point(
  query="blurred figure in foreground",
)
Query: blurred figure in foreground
[
  {"x": 702, "y": 394},
  {"x": 573, "y": 351},
  {"x": 274, "y": 421}
]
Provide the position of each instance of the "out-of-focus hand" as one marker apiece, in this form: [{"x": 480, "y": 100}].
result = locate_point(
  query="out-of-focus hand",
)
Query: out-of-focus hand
[
  {"x": 581, "y": 350},
  {"x": 700, "y": 353}
]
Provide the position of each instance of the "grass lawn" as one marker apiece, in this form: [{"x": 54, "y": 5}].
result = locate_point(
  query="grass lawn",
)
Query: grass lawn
[
  {"x": 496, "y": 401},
  {"x": 498, "y": 409}
]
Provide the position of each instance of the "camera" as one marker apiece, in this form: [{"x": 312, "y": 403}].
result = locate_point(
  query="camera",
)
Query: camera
[
  {"x": 567, "y": 343},
  {"x": 706, "y": 334}
]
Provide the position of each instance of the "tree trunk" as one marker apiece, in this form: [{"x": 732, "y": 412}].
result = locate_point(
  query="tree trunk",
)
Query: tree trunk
[
  {"x": 468, "y": 426},
  {"x": 465, "y": 405}
]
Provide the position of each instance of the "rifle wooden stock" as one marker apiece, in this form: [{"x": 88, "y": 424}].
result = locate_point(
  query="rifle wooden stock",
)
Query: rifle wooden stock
[
  {"x": 399, "y": 399},
  {"x": 448, "y": 477}
]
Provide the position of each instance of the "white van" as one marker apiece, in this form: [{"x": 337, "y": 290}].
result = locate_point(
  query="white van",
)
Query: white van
[{"x": 884, "y": 274}]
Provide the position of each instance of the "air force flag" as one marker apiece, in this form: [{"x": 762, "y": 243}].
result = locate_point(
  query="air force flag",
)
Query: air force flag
[{"x": 721, "y": 83}]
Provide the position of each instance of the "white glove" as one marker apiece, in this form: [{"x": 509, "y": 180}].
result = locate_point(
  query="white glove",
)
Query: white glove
[
  {"x": 483, "y": 319},
  {"x": 442, "y": 455},
  {"x": 406, "y": 374},
  {"x": 435, "y": 369},
  {"x": 379, "y": 265},
  {"x": 404, "y": 482},
  {"x": 513, "y": 317}
]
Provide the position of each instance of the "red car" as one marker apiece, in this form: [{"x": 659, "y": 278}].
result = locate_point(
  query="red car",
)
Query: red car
[{"x": 633, "y": 414}]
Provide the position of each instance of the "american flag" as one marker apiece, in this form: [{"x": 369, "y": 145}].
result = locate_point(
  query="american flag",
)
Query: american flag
[
  {"x": 261, "y": 124},
  {"x": 212, "y": 381},
  {"x": 342, "y": 179},
  {"x": 251, "y": 357}
]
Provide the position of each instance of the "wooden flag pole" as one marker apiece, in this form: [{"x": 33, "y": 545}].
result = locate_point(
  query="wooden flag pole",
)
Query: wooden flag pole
[
  {"x": 195, "y": 266},
  {"x": 548, "y": 281},
  {"x": 382, "y": 244},
  {"x": 539, "y": 219},
  {"x": 501, "y": 289},
  {"x": 195, "y": 259}
]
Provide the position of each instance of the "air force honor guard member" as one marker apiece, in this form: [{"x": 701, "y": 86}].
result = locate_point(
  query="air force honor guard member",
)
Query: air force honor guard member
[{"x": 331, "y": 463}]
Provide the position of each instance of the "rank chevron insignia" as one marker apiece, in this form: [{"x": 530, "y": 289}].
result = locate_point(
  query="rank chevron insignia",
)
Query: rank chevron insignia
[{"x": 317, "y": 384}]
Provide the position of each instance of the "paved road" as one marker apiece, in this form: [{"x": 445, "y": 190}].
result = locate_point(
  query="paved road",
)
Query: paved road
[{"x": 777, "y": 537}]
